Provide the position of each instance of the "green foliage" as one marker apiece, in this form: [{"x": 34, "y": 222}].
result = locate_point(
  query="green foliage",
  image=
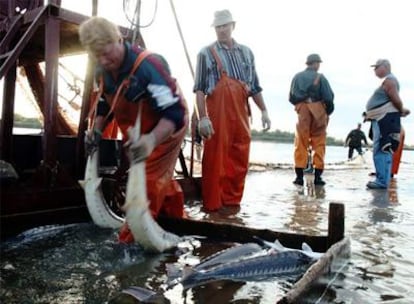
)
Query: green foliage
[{"x": 26, "y": 122}]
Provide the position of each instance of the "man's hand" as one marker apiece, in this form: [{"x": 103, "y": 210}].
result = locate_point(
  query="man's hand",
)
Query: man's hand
[
  {"x": 92, "y": 139},
  {"x": 266, "y": 123},
  {"x": 140, "y": 150},
  {"x": 205, "y": 127},
  {"x": 405, "y": 112}
]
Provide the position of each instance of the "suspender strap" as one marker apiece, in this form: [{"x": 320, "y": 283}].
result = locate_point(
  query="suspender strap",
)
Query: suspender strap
[
  {"x": 317, "y": 78},
  {"x": 217, "y": 58},
  {"x": 125, "y": 83}
]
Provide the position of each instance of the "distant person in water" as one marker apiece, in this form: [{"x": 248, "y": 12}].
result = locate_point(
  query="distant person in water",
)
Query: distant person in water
[
  {"x": 225, "y": 79},
  {"x": 354, "y": 141},
  {"x": 384, "y": 109},
  {"x": 312, "y": 97}
]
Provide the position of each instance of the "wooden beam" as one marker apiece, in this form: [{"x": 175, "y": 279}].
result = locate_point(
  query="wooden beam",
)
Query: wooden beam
[
  {"x": 52, "y": 36},
  {"x": 6, "y": 126},
  {"x": 336, "y": 224}
]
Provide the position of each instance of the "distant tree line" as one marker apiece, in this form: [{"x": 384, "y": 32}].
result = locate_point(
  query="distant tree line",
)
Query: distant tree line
[
  {"x": 287, "y": 137},
  {"x": 26, "y": 122},
  {"x": 275, "y": 136}
]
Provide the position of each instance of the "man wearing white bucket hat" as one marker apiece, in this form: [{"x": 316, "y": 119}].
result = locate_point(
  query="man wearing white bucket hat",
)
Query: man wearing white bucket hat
[{"x": 225, "y": 79}]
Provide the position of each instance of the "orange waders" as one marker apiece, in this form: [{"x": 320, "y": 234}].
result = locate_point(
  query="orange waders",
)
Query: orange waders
[
  {"x": 226, "y": 154},
  {"x": 396, "y": 157},
  {"x": 164, "y": 193},
  {"x": 310, "y": 130}
]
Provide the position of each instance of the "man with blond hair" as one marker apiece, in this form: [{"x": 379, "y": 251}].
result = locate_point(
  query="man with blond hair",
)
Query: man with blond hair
[{"x": 131, "y": 78}]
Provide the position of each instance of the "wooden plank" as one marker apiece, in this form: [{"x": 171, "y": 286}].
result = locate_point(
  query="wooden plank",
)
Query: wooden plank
[
  {"x": 336, "y": 223},
  {"x": 322, "y": 266},
  {"x": 223, "y": 232}
]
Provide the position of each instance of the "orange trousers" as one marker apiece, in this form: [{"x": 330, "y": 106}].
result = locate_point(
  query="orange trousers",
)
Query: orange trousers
[
  {"x": 396, "y": 157},
  {"x": 164, "y": 193},
  {"x": 226, "y": 155},
  {"x": 310, "y": 131}
]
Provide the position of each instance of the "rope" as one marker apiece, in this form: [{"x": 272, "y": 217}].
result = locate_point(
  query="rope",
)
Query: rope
[
  {"x": 182, "y": 38},
  {"x": 192, "y": 74},
  {"x": 134, "y": 23},
  {"x": 330, "y": 283}
]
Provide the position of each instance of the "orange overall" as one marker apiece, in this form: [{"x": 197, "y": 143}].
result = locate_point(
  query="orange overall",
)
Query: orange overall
[
  {"x": 164, "y": 193},
  {"x": 310, "y": 130},
  {"x": 396, "y": 157},
  {"x": 226, "y": 154}
]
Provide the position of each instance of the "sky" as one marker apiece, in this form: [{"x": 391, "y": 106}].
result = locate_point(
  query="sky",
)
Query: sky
[{"x": 348, "y": 35}]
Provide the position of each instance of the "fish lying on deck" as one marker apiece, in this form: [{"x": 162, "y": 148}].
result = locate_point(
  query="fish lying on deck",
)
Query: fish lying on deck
[
  {"x": 144, "y": 228},
  {"x": 224, "y": 256},
  {"x": 99, "y": 210},
  {"x": 230, "y": 254},
  {"x": 246, "y": 262},
  {"x": 277, "y": 246},
  {"x": 270, "y": 263}
]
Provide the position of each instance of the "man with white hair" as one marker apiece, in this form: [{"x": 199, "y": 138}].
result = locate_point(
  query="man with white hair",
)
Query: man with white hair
[
  {"x": 225, "y": 79},
  {"x": 384, "y": 109}
]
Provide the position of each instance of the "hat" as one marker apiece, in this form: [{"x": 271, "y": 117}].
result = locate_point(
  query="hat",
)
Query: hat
[
  {"x": 381, "y": 62},
  {"x": 222, "y": 17},
  {"x": 313, "y": 58}
]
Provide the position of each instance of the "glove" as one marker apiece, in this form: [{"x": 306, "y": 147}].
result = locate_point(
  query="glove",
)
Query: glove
[
  {"x": 205, "y": 127},
  {"x": 140, "y": 150},
  {"x": 266, "y": 123},
  {"x": 92, "y": 139}
]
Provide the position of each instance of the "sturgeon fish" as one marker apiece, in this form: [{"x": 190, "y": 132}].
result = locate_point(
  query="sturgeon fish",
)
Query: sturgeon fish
[
  {"x": 278, "y": 261},
  {"x": 224, "y": 256},
  {"x": 144, "y": 228},
  {"x": 246, "y": 262},
  {"x": 280, "y": 264},
  {"x": 99, "y": 210}
]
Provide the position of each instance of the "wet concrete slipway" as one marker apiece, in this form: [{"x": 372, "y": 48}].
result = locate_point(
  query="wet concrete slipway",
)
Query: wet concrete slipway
[{"x": 81, "y": 263}]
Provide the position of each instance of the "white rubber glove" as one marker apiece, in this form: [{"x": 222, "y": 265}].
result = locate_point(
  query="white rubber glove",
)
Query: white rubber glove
[
  {"x": 205, "y": 127},
  {"x": 140, "y": 150},
  {"x": 266, "y": 123}
]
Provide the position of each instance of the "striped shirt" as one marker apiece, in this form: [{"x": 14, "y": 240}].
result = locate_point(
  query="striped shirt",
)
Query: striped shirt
[{"x": 238, "y": 62}]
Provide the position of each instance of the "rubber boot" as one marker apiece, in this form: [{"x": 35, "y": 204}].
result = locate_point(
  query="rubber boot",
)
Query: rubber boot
[
  {"x": 299, "y": 177},
  {"x": 318, "y": 179}
]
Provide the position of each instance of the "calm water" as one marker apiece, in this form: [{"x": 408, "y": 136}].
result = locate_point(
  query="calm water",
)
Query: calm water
[{"x": 84, "y": 264}]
